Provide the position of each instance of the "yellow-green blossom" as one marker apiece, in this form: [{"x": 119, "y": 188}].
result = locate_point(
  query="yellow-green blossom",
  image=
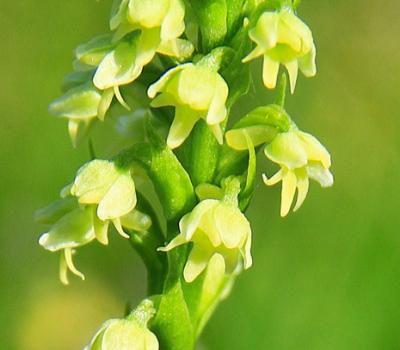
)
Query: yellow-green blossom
[
  {"x": 216, "y": 228},
  {"x": 282, "y": 38},
  {"x": 73, "y": 225},
  {"x": 81, "y": 105},
  {"x": 112, "y": 190},
  {"x": 196, "y": 92},
  {"x": 300, "y": 156},
  {"x": 71, "y": 231}
]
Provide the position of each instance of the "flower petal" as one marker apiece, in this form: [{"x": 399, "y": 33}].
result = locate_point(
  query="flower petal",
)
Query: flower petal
[
  {"x": 265, "y": 33},
  {"x": 119, "y": 200},
  {"x": 217, "y": 111},
  {"x": 292, "y": 68},
  {"x": 119, "y": 66},
  {"x": 100, "y": 229},
  {"x": 173, "y": 24},
  {"x": 72, "y": 230},
  {"x": 270, "y": 72},
  {"x": 93, "y": 180},
  {"x": 287, "y": 150},
  {"x": 289, "y": 184},
  {"x": 316, "y": 152},
  {"x": 160, "y": 84},
  {"x": 105, "y": 103},
  {"x": 232, "y": 225},
  {"x": 274, "y": 179},
  {"x": 177, "y": 241},
  {"x": 182, "y": 125},
  {"x": 136, "y": 220},
  {"x": 320, "y": 174},
  {"x": 307, "y": 63},
  {"x": 302, "y": 188},
  {"x": 68, "y": 259},
  {"x": 196, "y": 263},
  {"x": 189, "y": 224}
]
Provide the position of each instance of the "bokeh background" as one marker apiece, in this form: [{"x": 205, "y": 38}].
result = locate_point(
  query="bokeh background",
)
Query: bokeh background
[{"x": 326, "y": 277}]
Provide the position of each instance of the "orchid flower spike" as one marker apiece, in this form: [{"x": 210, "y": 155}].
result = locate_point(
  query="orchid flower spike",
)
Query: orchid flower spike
[{"x": 282, "y": 38}]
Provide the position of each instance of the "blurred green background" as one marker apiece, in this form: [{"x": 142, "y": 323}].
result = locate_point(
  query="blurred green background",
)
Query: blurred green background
[{"x": 326, "y": 277}]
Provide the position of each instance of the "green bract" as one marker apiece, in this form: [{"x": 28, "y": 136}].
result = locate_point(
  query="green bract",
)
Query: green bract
[
  {"x": 301, "y": 156},
  {"x": 282, "y": 38},
  {"x": 215, "y": 228},
  {"x": 196, "y": 92}
]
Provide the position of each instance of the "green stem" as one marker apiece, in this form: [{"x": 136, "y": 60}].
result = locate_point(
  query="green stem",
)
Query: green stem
[{"x": 281, "y": 91}]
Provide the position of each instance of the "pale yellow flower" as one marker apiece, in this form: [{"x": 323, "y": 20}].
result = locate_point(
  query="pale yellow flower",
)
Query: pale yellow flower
[
  {"x": 282, "y": 38},
  {"x": 216, "y": 228},
  {"x": 196, "y": 92},
  {"x": 301, "y": 157}
]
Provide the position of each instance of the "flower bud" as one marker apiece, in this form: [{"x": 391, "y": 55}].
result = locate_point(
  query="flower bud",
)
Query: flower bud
[
  {"x": 196, "y": 92},
  {"x": 216, "y": 228},
  {"x": 301, "y": 156},
  {"x": 131, "y": 333},
  {"x": 102, "y": 183},
  {"x": 282, "y": 38}
]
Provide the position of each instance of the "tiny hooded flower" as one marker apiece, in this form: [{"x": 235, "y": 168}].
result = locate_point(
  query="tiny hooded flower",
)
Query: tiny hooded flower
[
  {"x": 216, "y": 228},
  {"x": 111, "y": 189},
  {"x": 196, "y": 92},
  {"x": 282, "y": 38},
  {"x": 301, "y": 157},
  {"x": 72, "y": 230},
  {"x": 81, "y": 105}
]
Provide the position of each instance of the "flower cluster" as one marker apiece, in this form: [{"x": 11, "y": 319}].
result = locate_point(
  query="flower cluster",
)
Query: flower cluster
[
  {"x": 188, "y": 61},
  {"x": 141, "y": 28}
]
